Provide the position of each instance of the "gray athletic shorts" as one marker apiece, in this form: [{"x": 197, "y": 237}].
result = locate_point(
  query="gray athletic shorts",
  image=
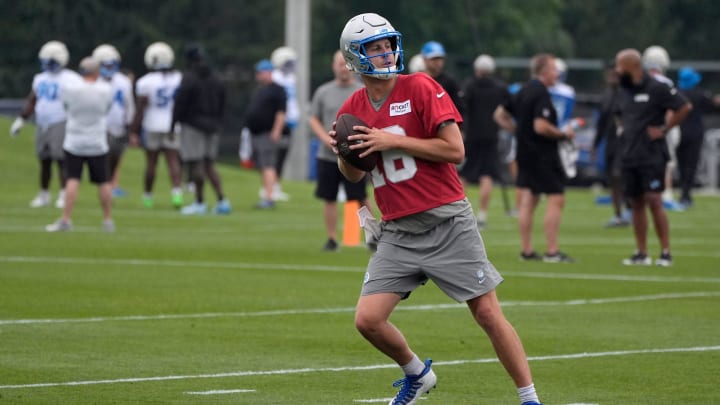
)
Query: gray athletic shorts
[
  {"x": 451, "y": 254},
  {"x": 197, "y": 145},
  {"x": 117, "y": 144},
  {"x": 49, "y": 141},
  {"x": 264, "y": 150},
  {"x": 161, "y": 140}
]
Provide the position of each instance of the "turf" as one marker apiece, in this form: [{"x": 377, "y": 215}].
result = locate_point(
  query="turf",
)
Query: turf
[{"x": 169, "y": 306}]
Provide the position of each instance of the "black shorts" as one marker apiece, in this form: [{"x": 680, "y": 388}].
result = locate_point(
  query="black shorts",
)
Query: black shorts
[
  {"x": 639, "y": 180},
  {"x": 97, "y": 166},
  {"x": 480, "y": 160},
  {"x": 329, "y": 179},
  {"x": 541, "y": 178}
]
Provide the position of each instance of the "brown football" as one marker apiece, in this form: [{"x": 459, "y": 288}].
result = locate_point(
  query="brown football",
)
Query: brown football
[{"x": 343, "y": 129}]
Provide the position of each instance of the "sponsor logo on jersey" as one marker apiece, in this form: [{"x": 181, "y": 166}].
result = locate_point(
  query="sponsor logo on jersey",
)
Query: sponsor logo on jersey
[
  {"x": 642, "y": 98},
  {"x": 401, "y": 108}
]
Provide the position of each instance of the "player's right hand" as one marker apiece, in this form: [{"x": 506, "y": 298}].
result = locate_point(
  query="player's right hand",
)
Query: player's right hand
[{"x": 16, "y": 126}]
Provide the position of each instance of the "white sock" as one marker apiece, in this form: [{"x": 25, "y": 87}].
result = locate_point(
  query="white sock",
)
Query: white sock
[
  {"x": 177, "y": 191},
  {"x": 415, "y": 366},
  {"x": 528, "y": 394},
  {"x": 667, "y": 195},
  {"x": 482, "y": 216}
]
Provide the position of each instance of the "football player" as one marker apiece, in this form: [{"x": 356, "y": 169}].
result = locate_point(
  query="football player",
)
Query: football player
[
  {"x": 45, "y": 102},
  {"x": 121, "y": 111},
  {"x": 155, "y": 99},
  {"x": 429, "y": 230}
]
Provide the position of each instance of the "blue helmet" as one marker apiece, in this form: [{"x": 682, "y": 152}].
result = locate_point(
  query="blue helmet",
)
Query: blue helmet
[
  {"x": 363, "y": 29},
  {"x": 433, "y": 49}
]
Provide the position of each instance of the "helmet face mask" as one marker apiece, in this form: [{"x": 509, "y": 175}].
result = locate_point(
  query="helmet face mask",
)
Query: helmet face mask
[
  {"x": 109, "y": 59},
  {"x": 53, "y": 56},
  {"x": 364, "y": 29}
]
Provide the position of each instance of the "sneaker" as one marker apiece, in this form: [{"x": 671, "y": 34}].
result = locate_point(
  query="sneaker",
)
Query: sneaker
[
  {"x": 672, "y": 205},
  {"x": 330, "y": 246},
  {"x": 412, "y": 387},
  {"x": 41, "y": 200},
  {"x": 638, "y": 259},
  {"x": 223, "y": 207},
  {"x": 194, "y": 209},
  {"x": 665, "y": 260},
  {"x": 532, "y": 256},
  {"x": 148, "y": 201},
  {"x": 108, "y": 225},
  {"x": 265, "y": 204},
  {"x": 60, "y": 202},
  {"x": 617, "y": 222},
  {"x": 481, "y": 220},
  {"x": 118, "y": 193},
  {"x": 177, "y": 200},
  {"x": 531, "y": 403},
  {"x": 59, "y": 226},
  {"x": 512, "y": 213},
  {"x": 558, "y": 257}
]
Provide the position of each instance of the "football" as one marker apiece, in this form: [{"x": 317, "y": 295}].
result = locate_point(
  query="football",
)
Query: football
[{"x": 343, "y": 129}]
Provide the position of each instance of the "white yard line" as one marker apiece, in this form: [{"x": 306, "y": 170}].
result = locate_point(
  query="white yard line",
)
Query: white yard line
[
  {"x": 310, "y": 311},
  {"x": 249, "y": 373},
  {"x": 218, "y": 392},
  {"x": 340, "y": 269}
]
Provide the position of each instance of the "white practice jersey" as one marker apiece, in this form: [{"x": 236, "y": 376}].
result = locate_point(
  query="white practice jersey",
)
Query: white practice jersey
[
  {"x": 122, "y": 109},
  {"x": 47, "y": 87},
  {"x": 87, "y": 105},
  {"x": 160, "y": 89},
  {"x": 292, "y": 110}
]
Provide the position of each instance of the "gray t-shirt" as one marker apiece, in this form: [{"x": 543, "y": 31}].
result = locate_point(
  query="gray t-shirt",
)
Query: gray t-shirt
[
  {"x": 326, "y": 102},
  {"x": 86, "y": 105}
]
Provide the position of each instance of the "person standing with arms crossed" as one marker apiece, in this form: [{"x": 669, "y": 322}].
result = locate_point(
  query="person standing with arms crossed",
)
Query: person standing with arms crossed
[
  {"x": 428, "y": 229},
  {"x": 325, "y": 104},
  {"x": 87, "y": 103},
  {"x": 643, "y": 106},
  {"x": 539, "y": 168}
]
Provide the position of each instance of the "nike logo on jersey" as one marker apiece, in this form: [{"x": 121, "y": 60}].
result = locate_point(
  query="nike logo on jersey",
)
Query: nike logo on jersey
[{"x": 439, "y": 95}]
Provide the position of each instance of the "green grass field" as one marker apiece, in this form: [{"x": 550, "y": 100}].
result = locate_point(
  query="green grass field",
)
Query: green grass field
[{"x": 246, "y": 309}]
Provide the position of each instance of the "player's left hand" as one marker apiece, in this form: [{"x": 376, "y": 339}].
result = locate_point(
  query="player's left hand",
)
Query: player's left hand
[
  {"x": 374, "y": 140},
  {"x": 656, "y": 132},
  {"x": 16, "y": 126}
]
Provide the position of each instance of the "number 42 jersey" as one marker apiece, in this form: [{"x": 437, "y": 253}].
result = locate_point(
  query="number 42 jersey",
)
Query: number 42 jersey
[
  {"x": 47, "y": 87},
  {"x": 159, "y": 88},
  {"x": 405, "y": 184}
]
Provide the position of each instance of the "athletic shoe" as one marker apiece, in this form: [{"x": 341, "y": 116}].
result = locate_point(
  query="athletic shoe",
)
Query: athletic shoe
[
  {"x": 60, "y": 202},
  {"x": 277, "y": 194},
  {"x": 686, "y": 203},
  {"x": 59, "y": 226},
  {"x": 532, "y": 256},
  {"x": 672, "y": 205},
  {"x": 638, "y": 259},
  {"x": 148, "y": 202},
  {"x": 223, "y": 207},
  {"x": 531, "y": 403},
  {"x": 177, "y": 200},
  {"x": 481, "y": 220},
  {"x": 665, "y": 260},
  {"x": 118, "y": 193},
  {"x": 265, "y": 205},
  {"x": 194, "y": 209},
  {"x": 617, "y": 222},
  {"x": 330, "y": 246},
  {"x": 558, "y": 257},
  {"x": 412, "y": 387},
  {"x": 41, "y": 200},
  {"x": 512, "y": 213},
  {"x": 108, "y": 225}
]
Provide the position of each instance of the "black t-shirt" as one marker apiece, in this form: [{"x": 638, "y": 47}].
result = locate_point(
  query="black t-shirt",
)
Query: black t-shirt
[
  {"x": 533, "y": 101},
  {"x": 606, "y": 127},
  {"x": 200, "y": 100},
  {"x": 266, "y": 102},
  {"x": 642, "y": 106},
  {"x": 702, "y": 103},
  {"x": 452, "y": 88},
  {"x": 480, "y": 97}
]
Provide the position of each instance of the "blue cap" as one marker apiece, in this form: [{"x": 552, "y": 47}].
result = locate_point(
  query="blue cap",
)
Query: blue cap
[
  {"x": 433, "y": 49},
  {"x": 264, "y": 66},
  {"x": 688, "y": 78}
]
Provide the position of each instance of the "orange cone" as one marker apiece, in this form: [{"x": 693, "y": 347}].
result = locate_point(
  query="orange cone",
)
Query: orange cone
[{"x": 351, "y": 224}]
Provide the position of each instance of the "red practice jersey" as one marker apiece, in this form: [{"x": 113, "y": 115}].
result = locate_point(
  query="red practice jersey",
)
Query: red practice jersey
[{"x": 404, "y": 184}]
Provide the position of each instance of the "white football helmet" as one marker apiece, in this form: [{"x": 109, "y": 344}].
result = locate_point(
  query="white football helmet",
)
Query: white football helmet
[
  {"x": 159, "y": 55},
  {"x": 106, "y": 54},
  {"x": 562, "y": 69},
  {"x": 53, "y": 56},
  {"x": 484, "y": 63},
  {"x": 416, "y": 64},
  {"x": 656, "y": 57},
  {"x": 363, "y": 29},
  {"x": 283, "y": 58}
]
